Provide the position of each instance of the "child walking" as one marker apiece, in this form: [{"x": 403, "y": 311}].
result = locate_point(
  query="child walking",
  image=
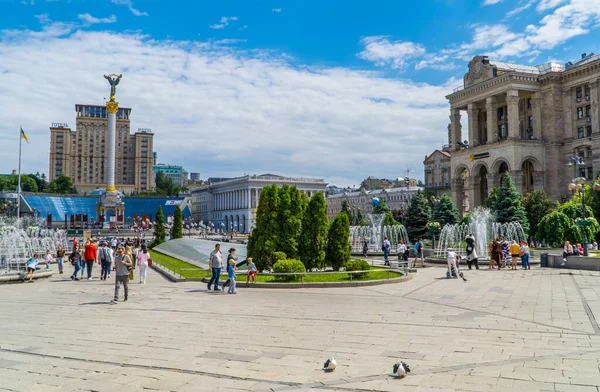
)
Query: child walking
[
  {"x": 48, "y": 259},
  {"x": 231, "y": 268},
  {"x": 251, "y": 271}
]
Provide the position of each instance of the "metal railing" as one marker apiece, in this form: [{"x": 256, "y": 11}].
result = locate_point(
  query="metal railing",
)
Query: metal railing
[{"x": 165, "y": 265}]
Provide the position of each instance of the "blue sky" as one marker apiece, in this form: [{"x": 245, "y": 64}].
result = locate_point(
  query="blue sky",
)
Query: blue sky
[{"x": 333, "y": 89}]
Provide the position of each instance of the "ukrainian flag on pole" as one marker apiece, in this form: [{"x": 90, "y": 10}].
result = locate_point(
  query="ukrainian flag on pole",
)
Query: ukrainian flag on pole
[{"x": 23, "y": 136}]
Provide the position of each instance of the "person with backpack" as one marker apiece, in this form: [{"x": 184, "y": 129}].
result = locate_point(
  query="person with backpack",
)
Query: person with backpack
[
  {"x": 105, "y": 260},
  {"x": 75, "y": 259},
  {"x": 418, "y": 252},
  {"x": 386, "y": 251}
]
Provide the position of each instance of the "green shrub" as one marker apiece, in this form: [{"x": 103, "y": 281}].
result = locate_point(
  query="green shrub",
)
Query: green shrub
[
  {"x": 358, "y": 265},
  {"x": 279, "y": 256},
  {"x": 288, "y": 266}
]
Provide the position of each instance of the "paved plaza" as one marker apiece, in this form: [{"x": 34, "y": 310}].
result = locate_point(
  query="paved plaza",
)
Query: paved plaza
[{"x": 499, "y": 331}]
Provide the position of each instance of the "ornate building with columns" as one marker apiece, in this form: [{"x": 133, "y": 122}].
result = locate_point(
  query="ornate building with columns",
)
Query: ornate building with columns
[
  {"x": 529, "y": 121},
  {"x": 229, "y": 203}
]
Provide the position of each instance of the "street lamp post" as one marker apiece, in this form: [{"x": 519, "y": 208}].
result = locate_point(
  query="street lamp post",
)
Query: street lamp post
[{"x": 578, "y": 185}]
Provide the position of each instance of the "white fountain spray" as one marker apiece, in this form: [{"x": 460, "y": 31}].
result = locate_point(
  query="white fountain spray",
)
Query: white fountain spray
[{"x": 483, "y": 228}]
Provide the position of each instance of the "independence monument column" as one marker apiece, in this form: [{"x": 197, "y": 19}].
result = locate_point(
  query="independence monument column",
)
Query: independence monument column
[{"x": 111, "y": 199}]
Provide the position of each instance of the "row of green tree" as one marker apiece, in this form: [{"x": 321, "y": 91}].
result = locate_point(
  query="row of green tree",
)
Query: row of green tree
[
  {"x": 544, "y": 219},
  {"x": 63, "y": 185},
  {"x": 37, "y": 184},
  {"x": 290, "y": 226},
  {"x": 160, "y": 234}
]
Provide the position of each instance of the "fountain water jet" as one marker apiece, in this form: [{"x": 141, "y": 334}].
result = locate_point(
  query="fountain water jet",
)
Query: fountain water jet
[
  {"x": 21, "y": 238},
  {"x": 375, "y": 233},
  {"x": 483, "y": 227}
]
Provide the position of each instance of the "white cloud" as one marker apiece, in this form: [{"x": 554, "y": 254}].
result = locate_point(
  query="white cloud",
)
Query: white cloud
[
  {"x": 490, "y": 2},
  {"x": 43, "y": 18},
  {"x": 549, "y": 4},
  {"x": 520, "y": 9},
  {"x": 244, "y": 27},
  {"x": 572, "y": 18},
  {"x": 224, "y": 22},
  {"x": 87, "y": 18},
  {"x": 441, "y": 63},
  {"x": 277, "y": 10},
  {"x": 382, "y": 51},
  {"x": 129, "y": 5},
  {"x": 577, "y": 17},
  {"x": 219, "y": 110}
]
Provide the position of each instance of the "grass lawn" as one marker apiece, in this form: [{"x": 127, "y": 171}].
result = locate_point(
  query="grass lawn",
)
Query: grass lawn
[{"x": 188, "y": 270}]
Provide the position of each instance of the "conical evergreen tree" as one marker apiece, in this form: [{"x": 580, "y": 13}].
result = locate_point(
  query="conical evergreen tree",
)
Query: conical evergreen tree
[
  {"x": 178, "y": 223},
  {"x": 159, "y": 228},
  {"x": 417, "y": 217},
  {"x": 313, "y": 239},
  {"x": 445, "y": 213},
  {"x": 338, "y": 244},
  {"x": 264, "y": 238},
  {"x": 292, "y": 205},
  {"x": 508, "y": 205}
]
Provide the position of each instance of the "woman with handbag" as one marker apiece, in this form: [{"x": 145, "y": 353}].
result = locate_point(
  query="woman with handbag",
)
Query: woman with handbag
[{"x": 143, "y": 261}]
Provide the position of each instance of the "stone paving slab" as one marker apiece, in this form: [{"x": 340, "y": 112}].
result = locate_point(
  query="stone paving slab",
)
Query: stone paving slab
[{"x": 499, "y": 331}]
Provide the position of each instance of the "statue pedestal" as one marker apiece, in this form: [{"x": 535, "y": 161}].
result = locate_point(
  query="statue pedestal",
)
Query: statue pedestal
[{"x": 111, "y": 202}]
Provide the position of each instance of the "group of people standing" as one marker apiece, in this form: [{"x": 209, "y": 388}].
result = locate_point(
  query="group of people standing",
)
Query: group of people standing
[
  {"x": 506, "y": 253},
  {"x": 112, "y": 255},
  {"x": 215, "y": 264},
  {"x": 402, "y": 251}
]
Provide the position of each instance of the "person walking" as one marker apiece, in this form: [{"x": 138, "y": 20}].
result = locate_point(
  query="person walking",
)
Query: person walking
[
  {"x": 105, "y": 260},
  {"x": 230, "y": 259},
  {"x": 386, "y": 251},
  {"x": 90, "y": 255},
  {"x": 365, "y": 248},
  {"x": 514, "y": 254},
  {"x": 524, "y": 253},
  {"x": 142, "y": 261},
  {"x": 75, "y": 259},
  {"x": 215, "y": 263},
  {"x": 251, "y": 271},
  {"x": 419, "y": 253},
  {"x": 231, "y": 268},
  {"x": 122, "y": 263},
  {"x": 60, "y": 257},
  {"x": 48, "y": 258},
  {"x": 129, "y": 252},
  {"x": 401, "y": 250}
]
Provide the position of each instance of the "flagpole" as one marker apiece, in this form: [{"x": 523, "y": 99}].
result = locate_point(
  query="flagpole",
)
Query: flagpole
[{"x": 19, "y": 184}]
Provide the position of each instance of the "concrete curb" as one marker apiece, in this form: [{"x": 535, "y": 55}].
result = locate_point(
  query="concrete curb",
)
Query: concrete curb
[
  {"x": 463, "y": 263},
  {"x": 18, "y": 276},
  {"x": 320, "y": 285},
  {"x": 167, "y": 274},
  {"x": 171, "y": 277}
]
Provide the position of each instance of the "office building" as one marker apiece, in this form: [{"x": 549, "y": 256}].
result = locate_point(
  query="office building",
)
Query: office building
[
  {"x": 539, "y": 123},
  {"x": 81, "y": 153}
]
